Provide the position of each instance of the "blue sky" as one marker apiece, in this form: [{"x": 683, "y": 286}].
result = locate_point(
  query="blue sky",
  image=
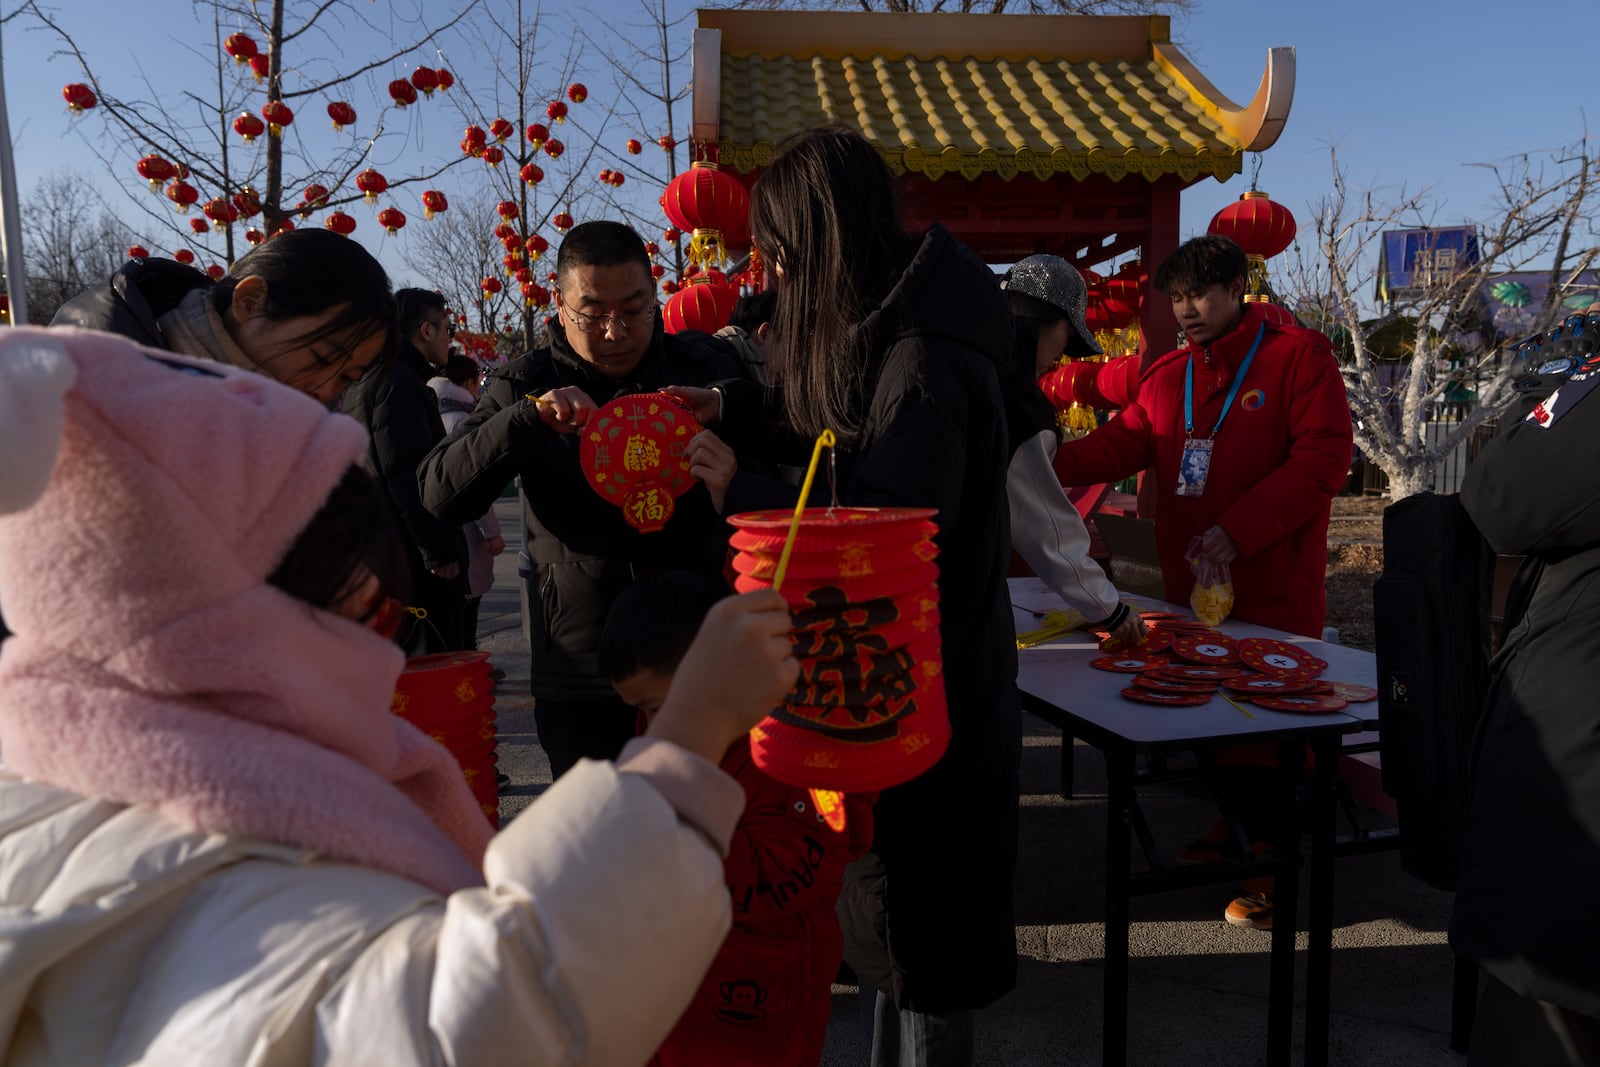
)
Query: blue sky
[{"x": 1410, "y": 91}]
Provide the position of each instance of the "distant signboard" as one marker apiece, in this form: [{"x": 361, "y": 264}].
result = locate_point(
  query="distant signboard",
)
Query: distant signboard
[
  {"x": 1515, "y": 300},
  {"x": 1412, "y": 259}
]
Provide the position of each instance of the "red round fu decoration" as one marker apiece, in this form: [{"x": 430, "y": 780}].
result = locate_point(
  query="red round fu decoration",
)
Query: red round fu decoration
[
  {"x": 633, "y": 455},
  {"x": 1262, "y": 228},
  {"x": 868, "y": 711}
]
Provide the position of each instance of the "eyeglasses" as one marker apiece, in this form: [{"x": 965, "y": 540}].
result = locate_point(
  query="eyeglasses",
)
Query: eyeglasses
[
  {"x": 448, "y": 324},
  {"x": 621, "y": 321}
]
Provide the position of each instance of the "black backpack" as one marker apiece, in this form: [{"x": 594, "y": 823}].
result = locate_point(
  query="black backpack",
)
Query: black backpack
[{"x": 1431, "y": 611}]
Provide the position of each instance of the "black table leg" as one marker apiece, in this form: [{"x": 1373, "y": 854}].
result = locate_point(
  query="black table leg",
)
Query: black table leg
[
  {"x": 1119, "y": 858},
  {"x": 1319, "y": 957},
  {"x": 1286, "y": 893},
  {"x": 1068, "y": 745}
]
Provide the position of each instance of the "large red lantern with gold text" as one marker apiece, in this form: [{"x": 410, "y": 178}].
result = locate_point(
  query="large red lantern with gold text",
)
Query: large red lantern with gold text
[
  {"x": 1259, "y": 226},
  {"x": 709, "y": 204},
  {"x": 704, "y": 304}
]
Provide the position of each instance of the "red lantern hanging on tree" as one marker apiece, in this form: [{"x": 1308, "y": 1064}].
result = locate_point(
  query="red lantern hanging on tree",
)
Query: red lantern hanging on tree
[
  {"x": 402, "y": 92},
  {"x": 184, "y": 256},
  {"x": 507, "y": 210},
  {"x": 278, "y": 115},
  {"x": 491, "y": 286},
  {"x": 79, "y": 97},
  {"x": 562, "y": 222},
  {"x": 155, "y": 170},
  {"x": 577, "y": 92},
  {"x": 315, "y": 196},
  {"x": 248, "y": 201},
  {"x": 556, "y": 110},
  {"x": 1262, "y": 228},
  {"x": 248, "y": 127},
  {"x": 216, "y": 272},
  {"x": 182, "y": 194},
  {"x": 425, "y": 80},
  {"x": 703, "y": 304},
  {"x": 671, "y": 235},
  {"x": 199, "y": 225},
  {"x": 537, "y": 133},
  {"x": 433, "y": 202},
  {"x": 371, "y": 183},
  {"x": 667, "y": 142},
  {"x": 342, "y": 115},
  {"x": 532, "y": 174},
  {"x": 493, "y": 155},
  {"x": 446, "y": 80},
  {"x": 341, "y": 224},
  {"x": 708, "y": 203},
  {"x": 255, "y": 237},
  {"x": 138, "y": 252},
  {"x": 553, "y": 148},
  {"x": 537, "y": 246},
  {"x": 260, "y": 66},
  {"x": 241, "y": 46},
  {"x": 220, "y": 211},
  {"x": 392, "y": 219},
  {"x": 501, "y": 128},
  {"x": 634, "y": 147},
  {"x": 473, "y": 140}
]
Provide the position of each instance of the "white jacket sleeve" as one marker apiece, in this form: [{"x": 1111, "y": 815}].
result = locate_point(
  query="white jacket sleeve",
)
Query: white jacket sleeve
[
  {"x": 1048, "y": 532},
  {"x": 604, "y": 907}
]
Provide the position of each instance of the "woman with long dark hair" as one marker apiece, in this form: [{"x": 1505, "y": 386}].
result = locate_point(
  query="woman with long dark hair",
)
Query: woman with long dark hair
[{"x": 892, "y": 341}]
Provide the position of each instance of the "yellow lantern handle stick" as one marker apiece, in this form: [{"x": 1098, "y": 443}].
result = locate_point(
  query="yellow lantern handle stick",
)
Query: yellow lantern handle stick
[{"x": 825, "y": 440}]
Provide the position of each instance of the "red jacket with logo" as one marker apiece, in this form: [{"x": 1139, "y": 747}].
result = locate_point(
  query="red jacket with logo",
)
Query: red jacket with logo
[
  {"x": 1281, "y": 455},
  {"x": 765, "y": 1002}
]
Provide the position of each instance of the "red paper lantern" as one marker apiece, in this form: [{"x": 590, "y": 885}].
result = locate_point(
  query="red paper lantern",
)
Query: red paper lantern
[
  {"x": 182, "y": 194},
  {"x": 278, "y": 115},
  {"x": 634, "y": 147},
  {"x": 709, "y": 203},
  {"x": 704, "y": 304},
  {"x": 216, "y": 272},
  {"x": 199, "y": 225},
  {"x": 473, "y": 140},
  {"x": 138, "y": 252},
  {"x": 341, "y": 224},
  {"x": 260, "y": 66},
  {"x": 155, "y": 170},
  {"x": 79, "y": 97},
  {"x": 652, "y": 249},
  {"x": 671, "y": 235},
  {"x": 255, "y": 237},
  {"x": 501, "y": 130},
  {"x": 657, "y": 270},
  {"x": 392, "y": 219},
  {"x": 1127, "y": 285},
  {"x": 425, "y": 80},
  {"x": 450, "y": 697},
  {"x": 556, "y": 110},
  {"x": 537, "y": 246},
  {"x": 241, "y": 46},
  {"x": 221, "y": 212},
  {"x": 371, "y": 183},
  {"x": 491, "y": 286},
  {"x": 433, "y": 202},
  {"x": 512, "y": 241},
  {"x": 446, "y": 79},
  {"x": 248, "y": 127},
  {"x": 1259, "y": 226},
  {"x": 508, "y": 210},
  {"x": 284, "y": 226},
  {"x": 532, "y": 174},
  {"x": 315, "y": 196},
  {"x": 577, "y": 92},
  {"x": 402, "y": 92},
  {"x": 669, "y": 287},
  {"x": 342, "y": 114},
  {"x": 667, "y": 142},
  {"x": 493, "y": 155},
  {"x": 537, "y": 133},
  {"x": 248, "y": 201},
  {"x": 1096, "y": 318},
  {"x": 184, "y": 256},
  {"x": 553, "y": 148},
  {"x": 562, "y": 222}
]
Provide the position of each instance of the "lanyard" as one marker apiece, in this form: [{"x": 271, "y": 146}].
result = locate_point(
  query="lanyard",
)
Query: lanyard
[{"x": 1227, "y": 405}]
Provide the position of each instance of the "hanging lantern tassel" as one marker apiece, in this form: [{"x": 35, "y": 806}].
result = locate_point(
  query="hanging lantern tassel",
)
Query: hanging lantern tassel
[
  {"x": 1079, "y": 421},
  {"x": 707, "y": 249}
]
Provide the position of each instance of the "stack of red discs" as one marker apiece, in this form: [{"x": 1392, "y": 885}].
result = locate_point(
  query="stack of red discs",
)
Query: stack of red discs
[
  {"x": 868, "y": 711},
  {"x": 450, "y": 697}
]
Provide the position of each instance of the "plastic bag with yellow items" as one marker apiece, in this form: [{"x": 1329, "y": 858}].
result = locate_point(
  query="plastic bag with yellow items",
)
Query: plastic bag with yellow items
[{"x": 1212, "y": 596}]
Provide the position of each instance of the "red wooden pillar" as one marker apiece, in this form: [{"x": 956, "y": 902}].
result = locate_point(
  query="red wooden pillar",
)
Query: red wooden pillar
[{"x": 1158, "y": 329}]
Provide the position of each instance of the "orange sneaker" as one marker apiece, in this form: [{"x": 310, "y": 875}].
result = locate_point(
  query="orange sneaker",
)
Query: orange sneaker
[{"x": 1254, "y": 907}]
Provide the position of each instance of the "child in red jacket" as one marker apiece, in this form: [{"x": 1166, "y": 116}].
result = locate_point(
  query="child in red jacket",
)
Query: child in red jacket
[{"x": 765, "y": 1000}]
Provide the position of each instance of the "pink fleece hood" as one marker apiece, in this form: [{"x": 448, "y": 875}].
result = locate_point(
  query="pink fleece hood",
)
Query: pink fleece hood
[{"x": 152, "y": 495}]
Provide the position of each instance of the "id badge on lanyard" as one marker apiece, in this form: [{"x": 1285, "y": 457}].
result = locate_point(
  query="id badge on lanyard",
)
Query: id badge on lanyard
[{"x": 1194, "y": 467}]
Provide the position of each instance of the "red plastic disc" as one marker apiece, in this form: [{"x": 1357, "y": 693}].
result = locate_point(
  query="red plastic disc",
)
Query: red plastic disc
[
  {"x": 1153, "y": 643},
  {"x": 1354, "y": 692},
  {"x": 1175, "y": 700},
  {"x": 1158, "y": 684},
  {"x": 1127, "y": 664},
  {"x": 1197, "y": 672},
  {"x": 1305, "y": 704},
  {"x": 1211, "y": 649},
  {"x": 1260, "y": 685},
  {"x": 1278, "y": 657}
]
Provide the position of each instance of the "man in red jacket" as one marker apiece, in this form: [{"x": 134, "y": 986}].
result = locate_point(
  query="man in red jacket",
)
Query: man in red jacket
[{"x": 1259, "y": 406}]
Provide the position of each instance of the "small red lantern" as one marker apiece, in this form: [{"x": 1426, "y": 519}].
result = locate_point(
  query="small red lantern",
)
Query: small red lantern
[
  {"x": 241, "y": 46},
  {"x": 553, "y": 148},
  {"x": 1262, "y": 228},
  {"x": 255, "y": 237},
  {"x": 705, "y": 303},
  {"x": 433, "y": 202},
  {"x": 278, "y": 115},
  {"x": 315, "y": 196},
  {"x": 248, "y": 202},
  {"x": 634, "y": 147},
  {"x": 511, "y": 261},
  {"x": 667, "y": 142},
  {"x": 371, "y": 183},
  {"x": 199, "y": 226},
  {"x": 537, "y": 133},
  {"x": 260, "y": 66},
  {"x": 446, "y": 80},
  {"x": 182, "y": 194},
  {"x": 221, "y": 212},
  {"x": 501, "y": 128},
  {"x": 138, "y": 252},
  {"x": 1126, "y": 286},
  {"x": 492, "y": 155},
  {"x": 512, "y": 241},
  {"x": 537, "y": 246},
  {"x": 402, "y": 92},
  {"x": 155, "y": 170},
  {"x": 284, "y": 227},
  {"x": 556, "y": 110},
  {"x": 503, "y": 231},
  {"x": 342, "y": 115},
  {"x": 425, "y": 80},
  {"x": 341, "y": 224},
  {"x": 249, "y": 127},
  {"x": 215, "y": 272},
  {"x": 491, "y": 286},
  {"x": 669, "y": 287},
  {"x": 577, "y": 92},
  {"x": 671, "y": 235},
  {"x": 532, "y": 174},
  {"x": 508, "y": 210},
  {"x": 79, "y": 97},
  {"x": 652, "y": 249},
  {"x": 473, "y": 140},
  {"x": 562, "y": 222},
  {"x": 392, "y": 219},
  {"x": 184, "y": 256},
  {"x": 657, "y": 270}
]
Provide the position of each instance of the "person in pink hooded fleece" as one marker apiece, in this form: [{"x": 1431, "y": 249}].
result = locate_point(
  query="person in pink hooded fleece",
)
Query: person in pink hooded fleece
[{"x": 217, "y": 845}]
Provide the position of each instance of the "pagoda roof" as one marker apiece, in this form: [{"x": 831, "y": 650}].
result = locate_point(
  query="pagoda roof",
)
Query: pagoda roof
[{"x": 968, "y": 95}]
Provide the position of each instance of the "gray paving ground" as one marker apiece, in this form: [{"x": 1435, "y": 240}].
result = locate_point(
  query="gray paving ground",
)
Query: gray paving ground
[{"x": 1198, "y": 993}]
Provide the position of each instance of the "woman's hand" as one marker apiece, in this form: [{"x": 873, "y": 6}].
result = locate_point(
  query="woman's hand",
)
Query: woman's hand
[
  {"x": 706, "y": 404},
  {"x": 565, "y": 410},
  {"x": 739, "y": 667},
  {"x": 1129, "y": 633},
  {"x": 713, "y": 462}
]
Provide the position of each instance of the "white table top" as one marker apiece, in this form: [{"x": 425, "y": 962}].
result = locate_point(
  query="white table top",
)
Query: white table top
[{"x": 1058, "y": 673}]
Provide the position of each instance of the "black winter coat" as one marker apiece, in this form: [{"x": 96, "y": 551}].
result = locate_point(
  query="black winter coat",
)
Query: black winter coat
[
  {"x": 583, "y": 552},
  {"x": 927, "y": 914},
  {"x": 131, "y": 301},
  {"x": 402, "y": 415},
  {"x": 1530, "y": 873}
]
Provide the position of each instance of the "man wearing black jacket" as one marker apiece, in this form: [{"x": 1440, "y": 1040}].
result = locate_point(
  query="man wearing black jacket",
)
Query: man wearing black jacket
[
  {"x": 402, "y": 414},
  {"x": 607, "y": 342}
]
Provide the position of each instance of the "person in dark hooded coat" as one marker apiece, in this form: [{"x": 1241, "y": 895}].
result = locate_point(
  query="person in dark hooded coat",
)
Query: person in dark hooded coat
[{"x": 893, "y": 341}]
